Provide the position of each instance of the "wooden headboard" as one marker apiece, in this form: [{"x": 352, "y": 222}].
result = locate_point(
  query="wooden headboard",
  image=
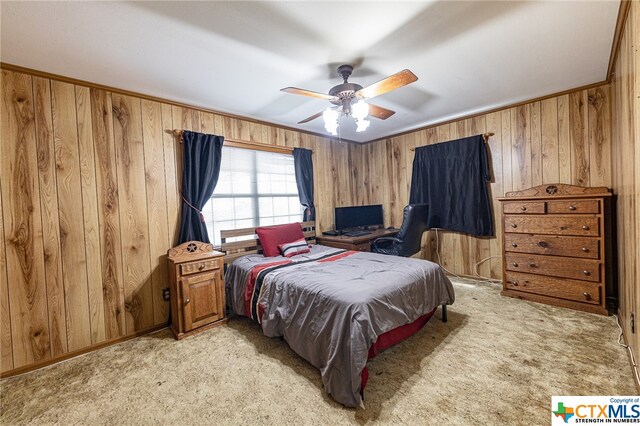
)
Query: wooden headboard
[{"x": 236, "y": 249}]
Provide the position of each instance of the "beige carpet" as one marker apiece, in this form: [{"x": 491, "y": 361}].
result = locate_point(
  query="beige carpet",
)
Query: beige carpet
[{"x": 497, "y": 360}]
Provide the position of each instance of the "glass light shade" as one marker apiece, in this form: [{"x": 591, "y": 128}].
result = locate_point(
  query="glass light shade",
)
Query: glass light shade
[
  {"x": 360, "y": 110},
  {"x": 362, "y": 125},
  {"x": 330, "y": 117}
]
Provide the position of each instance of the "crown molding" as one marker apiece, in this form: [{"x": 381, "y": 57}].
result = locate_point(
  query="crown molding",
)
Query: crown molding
[
  {"x": 490, "y": 111},
  {"x": 623, "y": 14},
  {"x": 44, "y": 74}
]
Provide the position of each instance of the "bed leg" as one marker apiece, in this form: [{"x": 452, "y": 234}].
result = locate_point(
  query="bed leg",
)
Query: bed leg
[{"x": 444, "y": 313}]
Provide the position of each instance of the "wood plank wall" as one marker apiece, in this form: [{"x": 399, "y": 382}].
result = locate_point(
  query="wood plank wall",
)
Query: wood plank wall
[
  {"x": 564, "y": 139},
  {"x": 626, "y": 173},
  {"x": 89, "y": 196},
  {"x": 90, "y": 204}
]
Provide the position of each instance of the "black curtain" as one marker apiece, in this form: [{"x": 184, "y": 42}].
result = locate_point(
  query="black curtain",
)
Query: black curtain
[
  {"x": 304, "y": 180},
  {"x": 202, "y": 155},
  {"x": 452, "y": 178}
]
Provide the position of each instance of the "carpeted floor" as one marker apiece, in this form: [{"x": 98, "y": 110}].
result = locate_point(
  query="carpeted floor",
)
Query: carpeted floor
[{"x": 497, "y": 360}]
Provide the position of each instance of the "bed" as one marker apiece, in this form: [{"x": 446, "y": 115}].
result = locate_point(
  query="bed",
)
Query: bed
[{"x": 335, "y": 308}]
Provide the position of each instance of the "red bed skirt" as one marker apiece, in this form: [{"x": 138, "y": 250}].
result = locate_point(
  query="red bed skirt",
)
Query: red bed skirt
[{"x": 393, "y": 337}]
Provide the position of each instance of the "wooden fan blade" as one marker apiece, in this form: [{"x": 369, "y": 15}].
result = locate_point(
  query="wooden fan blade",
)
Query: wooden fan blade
[
  {"x": 388, "y": 84},
  {"x": 308, "y": 93},
  {"x": 379, "y": 112},
  {"x": 313, "y": 117}
]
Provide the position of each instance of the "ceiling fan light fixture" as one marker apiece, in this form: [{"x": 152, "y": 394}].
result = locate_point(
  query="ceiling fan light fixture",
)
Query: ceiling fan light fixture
[
  {"x": 360, "y": 110},
  {"x": 362, "y": 125},
  {"x": 343, "y": 94},
  {"x": 330, "y": 117}
]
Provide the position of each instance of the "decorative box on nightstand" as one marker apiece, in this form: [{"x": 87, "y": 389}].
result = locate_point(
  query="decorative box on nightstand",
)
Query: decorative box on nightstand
[{"x": 196, "y": 285}]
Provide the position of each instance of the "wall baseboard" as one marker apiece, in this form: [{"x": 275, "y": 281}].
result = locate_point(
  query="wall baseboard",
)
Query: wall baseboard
[
  {"x": 54, "y": 360},
  {"x": 631, "y": 356}
]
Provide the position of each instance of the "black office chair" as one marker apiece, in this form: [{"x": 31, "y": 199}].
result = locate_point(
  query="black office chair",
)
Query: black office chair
[{"x": 407, "y": 241}]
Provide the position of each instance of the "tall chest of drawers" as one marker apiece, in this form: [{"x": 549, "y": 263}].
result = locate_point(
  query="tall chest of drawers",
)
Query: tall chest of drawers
[{"x": 557, "y": 246}]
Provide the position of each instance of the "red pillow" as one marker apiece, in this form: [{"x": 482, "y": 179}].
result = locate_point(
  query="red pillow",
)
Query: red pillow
[{"x": 272, "y": 236}]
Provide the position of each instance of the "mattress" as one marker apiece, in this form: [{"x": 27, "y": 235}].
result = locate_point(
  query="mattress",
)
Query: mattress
[{"x": 330, "y": 305}]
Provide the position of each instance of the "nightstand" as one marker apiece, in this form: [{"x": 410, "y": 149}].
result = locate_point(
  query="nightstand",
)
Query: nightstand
[{"x": 196, "y": 285}]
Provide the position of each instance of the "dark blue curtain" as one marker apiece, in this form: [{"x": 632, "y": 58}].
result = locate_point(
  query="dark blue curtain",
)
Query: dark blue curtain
[
  {"x": 452, "y": 177},
  {"x": 201, "y": 169},
  {"x": 304, "y": 180}
]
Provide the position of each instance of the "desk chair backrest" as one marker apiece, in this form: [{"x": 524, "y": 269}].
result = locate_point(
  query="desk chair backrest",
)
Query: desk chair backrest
[
  {"x": 408, "y": 240},
  {"x": 414, "y": 223}
]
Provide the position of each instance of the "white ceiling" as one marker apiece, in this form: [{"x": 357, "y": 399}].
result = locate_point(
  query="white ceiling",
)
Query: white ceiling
[{"x": 235, "y": 56}]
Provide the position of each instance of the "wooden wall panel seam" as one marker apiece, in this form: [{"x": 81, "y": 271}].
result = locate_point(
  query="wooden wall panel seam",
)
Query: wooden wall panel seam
[
  {"x": 22, "y": 224},
  {"x": 82, "y": 203},
  {"x": 109, "y": 215},
  {"x": 171, "y": 200},
  {"x": 74, "y": 272},
  {"x": 48, "y": 181},
  {"x": 549, "y": 134},
  {"x": 44, "y": 271},
  {"x": 536, "y": 144},
  {"x": 6, "y": 343},
  {"x": 156, "y": 204},
  {"x": 564, "y": 140},
  {"x": 579, "y": 158},
  {"x": 90, "y": 214},
  {"x": 127, "y": 119},
  {"x": 6, "y": 336},
  {"x": 144, "y": 163}
]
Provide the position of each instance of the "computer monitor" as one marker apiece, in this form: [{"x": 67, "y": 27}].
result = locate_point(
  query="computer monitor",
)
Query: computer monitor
[{"x": 358, "y": 216}]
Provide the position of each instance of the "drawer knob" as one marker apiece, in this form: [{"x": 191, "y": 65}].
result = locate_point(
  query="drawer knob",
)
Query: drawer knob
[
  {"x": 186, "y": 302},
  {"x": 587, "y": 273},
  {"x": 572, "y": 207},
  {"x": 523, "y": 208},
  {"x": 515, "y": 283},
  {"x": 201, "y": 266},
  {"x": 515, "y": 264},
  {"x": 543, "y": 244},
  {"x": 513, "y": 225},
  {"x": 585, "y": 227},
  {"x": 514, "y": 245},
  {"x": 533, "y": 265},
  {"x": 584, "y": 249},
  {"x": 586, "y": 295}
]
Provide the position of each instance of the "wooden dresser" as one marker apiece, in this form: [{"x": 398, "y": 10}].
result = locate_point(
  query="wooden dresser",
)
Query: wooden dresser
[
  {"x": 557, "y": 246},
  {"x": 196, "y": 286}
]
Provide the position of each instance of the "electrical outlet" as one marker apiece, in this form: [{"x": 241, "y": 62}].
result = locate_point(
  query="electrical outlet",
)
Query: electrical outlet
[
  {"x": 633, "y": 322},
  {"x": 165, "y": 294}
]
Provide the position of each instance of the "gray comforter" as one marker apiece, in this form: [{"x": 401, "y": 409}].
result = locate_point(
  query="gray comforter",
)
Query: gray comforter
[{"x": 331, "y": 313}]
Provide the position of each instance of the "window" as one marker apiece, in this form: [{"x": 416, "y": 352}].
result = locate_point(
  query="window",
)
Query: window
[{"x": 255, "y": 188}]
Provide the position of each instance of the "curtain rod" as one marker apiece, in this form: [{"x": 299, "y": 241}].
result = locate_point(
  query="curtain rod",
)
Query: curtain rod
[
  {"x": 242, "y": 144},
  {"x": 485, "y": 136}
]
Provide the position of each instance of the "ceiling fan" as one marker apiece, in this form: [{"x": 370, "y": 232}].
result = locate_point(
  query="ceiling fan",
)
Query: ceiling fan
[{"x": 343, "y": 96}]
